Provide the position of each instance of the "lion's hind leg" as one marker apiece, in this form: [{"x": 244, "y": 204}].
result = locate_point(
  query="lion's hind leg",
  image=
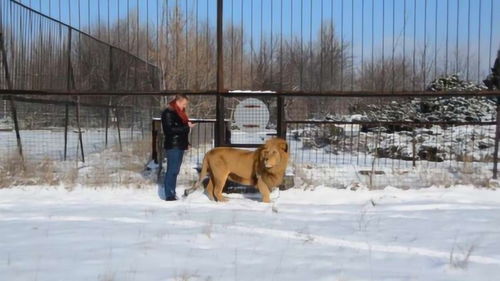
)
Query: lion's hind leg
[
  {"x": 210, "y": 189},
  {"x": 219, "y": 180}
]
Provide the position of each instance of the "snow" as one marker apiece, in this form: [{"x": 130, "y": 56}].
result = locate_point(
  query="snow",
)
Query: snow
[
  {"x": 321, "y": 233},
  {"x": 252, "y": 92}
]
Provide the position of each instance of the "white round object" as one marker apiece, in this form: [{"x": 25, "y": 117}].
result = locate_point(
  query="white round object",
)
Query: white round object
[{"x": 251, "y": 115}]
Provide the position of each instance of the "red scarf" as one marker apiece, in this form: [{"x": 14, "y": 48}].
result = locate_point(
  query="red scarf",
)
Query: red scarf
[{"x": 181, "y": 112}]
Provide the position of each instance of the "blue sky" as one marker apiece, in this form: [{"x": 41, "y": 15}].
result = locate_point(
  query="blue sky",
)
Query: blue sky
[{"x": 437, "y": 19}]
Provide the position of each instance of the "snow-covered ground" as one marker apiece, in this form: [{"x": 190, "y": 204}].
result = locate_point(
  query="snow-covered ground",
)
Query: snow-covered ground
[{"x": 322, "y": 234}]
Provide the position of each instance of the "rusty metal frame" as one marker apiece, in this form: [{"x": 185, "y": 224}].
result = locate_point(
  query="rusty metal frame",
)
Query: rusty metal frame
[{"x": 353, "y": 94}]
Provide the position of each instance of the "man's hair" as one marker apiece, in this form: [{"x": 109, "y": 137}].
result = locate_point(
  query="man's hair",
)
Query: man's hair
[{"x": 181, "y": 97}]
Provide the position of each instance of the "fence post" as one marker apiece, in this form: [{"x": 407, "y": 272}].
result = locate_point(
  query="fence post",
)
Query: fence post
[
  {"x": 496, "y": 83},
  {"x": 66, "y": 119},
  {"x": 13, "y": 108},
  {"x": 154, "y": 136},
  {"x": 219, "y": 136},
  {"x": 107, "y": 123},
  {"x": 414, "y": 148},
  {"x": 497, "y": 138},
  {"x": 71, "y": 86},
  {"x": 133, "y": 121},
  {"x": 110, "y": 88},
  {"x": 220, "y": 124},
  {"x": 281, "y": 126},
  {"x": 79, "y": 127},
  {"x": 118, "y": 127},
  {"x": 68, "y": 87}
]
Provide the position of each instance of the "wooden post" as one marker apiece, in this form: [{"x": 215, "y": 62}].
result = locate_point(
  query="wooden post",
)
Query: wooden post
[
  {"x": 220, "y": 124},
  {"x": 13, "y": 108}
]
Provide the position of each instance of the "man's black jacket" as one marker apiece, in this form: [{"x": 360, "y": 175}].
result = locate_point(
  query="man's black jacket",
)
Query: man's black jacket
[{"x": 175, "y": 132}]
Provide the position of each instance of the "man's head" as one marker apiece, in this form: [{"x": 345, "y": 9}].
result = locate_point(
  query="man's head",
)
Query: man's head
[{"x": 182, "y": 101}]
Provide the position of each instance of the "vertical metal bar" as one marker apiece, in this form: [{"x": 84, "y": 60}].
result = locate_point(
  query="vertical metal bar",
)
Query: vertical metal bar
[
  {"x": 232, "y": 47},
  {"x": 220, "y": 50},
  {"x": 404, "y": 47},
  {"x": 16, "y": 126},
  {"x": 12, "y": 103},
  {"x": 68, "y": 87},
  {"x": 70, "y": 84},
  {"x": 414, "y": 148},
  {"x": 497, "y": 138},
  {"x": 133, "y": 120},
  {"x": 447, "y": 35},
  {"x": 107, "y": 123},
  {"x": 79, "y": 127},
  {"x": 468, "y": 41},
  {"x": 68, "y": 72},
  {"x": 154, "y": 133},
  {"x": 110, "y": 87},
  {"x": 66, "y": 121},
  {"x": 219, "y": 131},
  {"x": 281, "y": 126},
  {"x": 242, "y": 49},
  {"x": 117, "y": 115}
]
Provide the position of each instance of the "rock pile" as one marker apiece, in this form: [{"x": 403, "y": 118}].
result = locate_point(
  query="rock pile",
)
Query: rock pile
[
  {"x": 431, "y": 143},
  {"x": 425, "y": 109}
]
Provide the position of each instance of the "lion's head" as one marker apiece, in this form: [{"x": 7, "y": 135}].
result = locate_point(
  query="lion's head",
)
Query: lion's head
[{"x": 274, "y": 153}]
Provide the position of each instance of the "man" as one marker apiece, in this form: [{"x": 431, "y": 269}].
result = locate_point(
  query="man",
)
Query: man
[{"x": 176, "y": 127}]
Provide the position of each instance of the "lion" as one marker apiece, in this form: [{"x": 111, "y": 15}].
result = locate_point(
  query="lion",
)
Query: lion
[{"x": 263, "y": 168}]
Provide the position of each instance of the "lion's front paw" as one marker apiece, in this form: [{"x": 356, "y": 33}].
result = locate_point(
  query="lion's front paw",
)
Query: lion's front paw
[{"x": 222, "y": 198}]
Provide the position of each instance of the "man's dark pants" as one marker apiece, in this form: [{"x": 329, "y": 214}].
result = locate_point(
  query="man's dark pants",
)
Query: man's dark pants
[{"x": 174, "y": 161}]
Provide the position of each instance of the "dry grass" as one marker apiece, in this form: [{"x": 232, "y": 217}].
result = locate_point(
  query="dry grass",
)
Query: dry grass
[
  {"x": 461, "y": 259},
  {"x": 16, "y": 171},
  {"x": 10, "y": 168},
  {"x": 109, "y": 167}
]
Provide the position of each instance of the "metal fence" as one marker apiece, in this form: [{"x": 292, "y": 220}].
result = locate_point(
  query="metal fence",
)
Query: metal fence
[
  {"x": 403, "y": 140},
  {"x": 293, "y": 45},
  {"x": 376, "y": 92},
  {"x": 340, "y": 140},
  {"x": 44, "y": 54}
]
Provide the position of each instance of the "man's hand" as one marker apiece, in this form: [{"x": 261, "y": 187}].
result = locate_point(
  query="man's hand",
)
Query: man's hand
[{"x": 191, "y": 125}]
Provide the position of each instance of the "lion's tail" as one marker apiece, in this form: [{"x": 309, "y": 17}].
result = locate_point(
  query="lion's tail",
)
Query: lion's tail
[
  {"x": 204, "y": 171},
  {"x": 198, "y": 183}
]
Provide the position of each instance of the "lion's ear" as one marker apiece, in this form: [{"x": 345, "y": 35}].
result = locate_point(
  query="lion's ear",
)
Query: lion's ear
[{"x": 284, "y": 146}]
